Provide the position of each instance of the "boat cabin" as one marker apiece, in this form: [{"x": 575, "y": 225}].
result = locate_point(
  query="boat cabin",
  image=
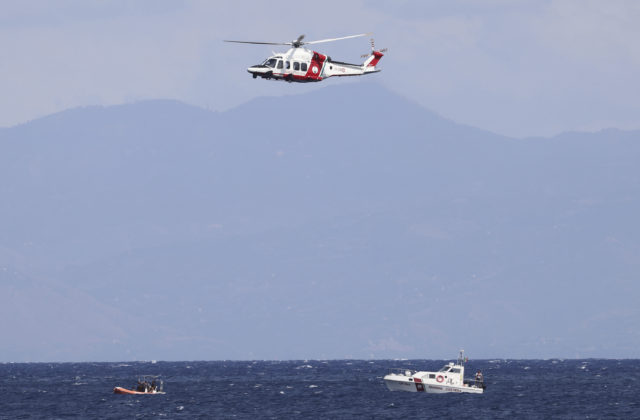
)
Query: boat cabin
[{"x": 451, "y": 368}]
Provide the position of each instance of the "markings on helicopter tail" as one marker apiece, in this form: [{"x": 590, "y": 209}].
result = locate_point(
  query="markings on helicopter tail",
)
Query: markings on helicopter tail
[{"x": 377, "y": 56}]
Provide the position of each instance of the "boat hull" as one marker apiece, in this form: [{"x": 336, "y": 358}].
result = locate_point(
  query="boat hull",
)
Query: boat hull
[
  {"x": 400, "y": 385},
  {"x": 408, "y": 384},
  {"x": 120, "y": 390}
]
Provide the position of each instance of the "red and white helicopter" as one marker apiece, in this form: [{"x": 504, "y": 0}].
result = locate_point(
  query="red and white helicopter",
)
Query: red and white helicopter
[{"x": 302, "y": 65}]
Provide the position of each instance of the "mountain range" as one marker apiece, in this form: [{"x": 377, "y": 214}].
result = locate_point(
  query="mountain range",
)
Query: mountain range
[{"x": 347, "y": 222}]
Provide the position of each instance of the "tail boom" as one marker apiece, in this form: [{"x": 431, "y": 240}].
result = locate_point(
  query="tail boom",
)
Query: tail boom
[{"x": 338, "y": 68}]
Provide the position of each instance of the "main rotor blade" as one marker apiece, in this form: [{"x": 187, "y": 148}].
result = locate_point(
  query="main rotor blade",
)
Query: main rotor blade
[
  {"x": 337, "y": 39},
  {"x": 255, "y": 42}
]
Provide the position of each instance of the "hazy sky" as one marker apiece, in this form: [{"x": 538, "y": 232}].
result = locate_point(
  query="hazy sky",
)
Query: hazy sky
[{"x": 519, "y": 68}]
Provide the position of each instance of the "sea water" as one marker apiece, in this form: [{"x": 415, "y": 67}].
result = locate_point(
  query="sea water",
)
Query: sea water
[{"x": 332, "y": 389}]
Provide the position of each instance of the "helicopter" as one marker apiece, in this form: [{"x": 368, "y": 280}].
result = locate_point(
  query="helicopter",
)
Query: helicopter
[{"x": 302, "y": 65}]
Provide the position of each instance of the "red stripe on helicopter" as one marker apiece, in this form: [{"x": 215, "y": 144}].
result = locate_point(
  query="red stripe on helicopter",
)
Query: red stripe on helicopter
[
  {"x": 317, "y": 61},
  {"x": 378, "y": 56}
]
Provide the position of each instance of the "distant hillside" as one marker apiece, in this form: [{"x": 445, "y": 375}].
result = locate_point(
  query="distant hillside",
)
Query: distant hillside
[{"x": 347, "y": 222}]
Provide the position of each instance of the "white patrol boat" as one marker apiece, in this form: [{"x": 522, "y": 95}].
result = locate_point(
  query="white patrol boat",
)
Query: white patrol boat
[{"x": 448, "y": 379}]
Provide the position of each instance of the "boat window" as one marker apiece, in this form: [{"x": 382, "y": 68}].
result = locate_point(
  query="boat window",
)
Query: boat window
[
  {"x": 432, "y": 376},
  {"x": 270, "y": 62},
  {"x": 304, "y": 67},
  {"x": 296, "y": 66},
  {"x": 279, "y": 64},
  {"x": 455, "y": 370}
]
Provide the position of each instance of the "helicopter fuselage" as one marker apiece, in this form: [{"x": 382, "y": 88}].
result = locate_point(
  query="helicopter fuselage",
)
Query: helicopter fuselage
[{"x": 302, "y": 65}]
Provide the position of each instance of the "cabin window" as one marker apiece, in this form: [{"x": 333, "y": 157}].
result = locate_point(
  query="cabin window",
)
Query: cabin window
[
  {"x": 270, "y": 62},
  {"x": 279, "y": 64},
  {"x": 304, "y": 66},
  {"x": 455, "y": 370},
  {"x": 296, "y": 66},
  {"x": 287, "y": 65},
  {"x": 432, "y": 376}
]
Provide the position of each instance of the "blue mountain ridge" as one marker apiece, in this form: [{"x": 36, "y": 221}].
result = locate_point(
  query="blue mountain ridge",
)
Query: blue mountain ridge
[{"x": 345, "y": 222}]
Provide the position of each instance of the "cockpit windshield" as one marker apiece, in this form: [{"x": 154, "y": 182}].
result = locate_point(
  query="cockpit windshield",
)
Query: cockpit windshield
[{"x": 270, "y": 62}]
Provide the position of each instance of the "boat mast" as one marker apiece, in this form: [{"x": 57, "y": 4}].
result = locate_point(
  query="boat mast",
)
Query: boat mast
[{"x": 461, "y": 358}]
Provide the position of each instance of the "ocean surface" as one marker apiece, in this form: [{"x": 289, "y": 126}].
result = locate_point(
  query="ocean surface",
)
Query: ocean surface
[{"x": 334, "y": 389}]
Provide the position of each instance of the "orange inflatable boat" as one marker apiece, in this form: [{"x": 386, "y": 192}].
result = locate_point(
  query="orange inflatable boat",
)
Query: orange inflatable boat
[
  {"x": 120, "y": 390},
  {"x": 147, "y": 384}
]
